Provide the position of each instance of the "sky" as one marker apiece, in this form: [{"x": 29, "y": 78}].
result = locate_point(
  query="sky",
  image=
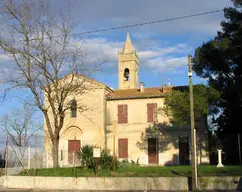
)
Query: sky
[{"x": 162, "y": 48}]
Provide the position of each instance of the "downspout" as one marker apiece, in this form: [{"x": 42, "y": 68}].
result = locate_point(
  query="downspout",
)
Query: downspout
[{"x": 105, "y": 120}]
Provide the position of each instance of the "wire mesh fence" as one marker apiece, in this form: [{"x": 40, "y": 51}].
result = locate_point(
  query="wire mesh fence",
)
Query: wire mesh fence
[{"x": 15, "y": 159}]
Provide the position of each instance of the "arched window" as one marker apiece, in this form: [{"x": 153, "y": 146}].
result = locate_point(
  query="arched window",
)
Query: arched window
[
  {"x": 126, "y": 74},
  {"x": 73, "y": 108}
]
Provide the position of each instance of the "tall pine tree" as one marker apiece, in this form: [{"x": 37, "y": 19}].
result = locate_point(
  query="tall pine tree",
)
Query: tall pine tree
[{"x": 220, "y": 60}]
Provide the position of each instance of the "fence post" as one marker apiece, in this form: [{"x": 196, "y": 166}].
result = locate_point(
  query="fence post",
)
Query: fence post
[
  {"x": 29, "y": 158},
  {"x": 6, "y": 157},
  {"x": 35, "y": 156}
]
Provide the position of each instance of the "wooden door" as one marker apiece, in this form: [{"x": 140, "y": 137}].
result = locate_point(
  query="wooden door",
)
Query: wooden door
[
  {"x": 73, "y": 147},
  {"x": 153, "y": 150},
  {"x": 184, "y": 150}
]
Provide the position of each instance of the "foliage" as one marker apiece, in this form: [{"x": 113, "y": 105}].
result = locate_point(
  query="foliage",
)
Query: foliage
[
  {"x": 87, "y": 160},
  {"x": 125, "y": 163},
  {"x": 156, "y": 130},
  {"x": 220, "y": 60},
  {"x": 86, "y": 156},
  {"x": 177, "y": 103},
  {"x": 107, "y": 160},
  {"x": 2, "y": 161}
]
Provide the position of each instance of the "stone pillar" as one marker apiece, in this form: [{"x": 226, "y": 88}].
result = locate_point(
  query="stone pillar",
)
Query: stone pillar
[{"x": 220, "y": 158}]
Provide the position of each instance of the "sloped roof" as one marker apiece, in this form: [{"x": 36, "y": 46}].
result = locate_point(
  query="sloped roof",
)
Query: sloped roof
[
  {"x": 91, "y": 80},
  {"x": 150, "y": 92}
]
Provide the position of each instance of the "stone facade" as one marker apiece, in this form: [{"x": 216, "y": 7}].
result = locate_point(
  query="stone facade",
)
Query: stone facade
[{"x": 124, "y": 114}]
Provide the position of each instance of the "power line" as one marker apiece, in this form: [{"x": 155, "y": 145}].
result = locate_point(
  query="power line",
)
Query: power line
[
  {"x": 139, "y": 24},
  {"x": 148, "y": 23}
]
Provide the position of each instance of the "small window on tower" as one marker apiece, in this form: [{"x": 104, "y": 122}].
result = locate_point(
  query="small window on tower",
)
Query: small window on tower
[
  {"x": 126, "y": 74},
  {"x": 73, "y": 108}
]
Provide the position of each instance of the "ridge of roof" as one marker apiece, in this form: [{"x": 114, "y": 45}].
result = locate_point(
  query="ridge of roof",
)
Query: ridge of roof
[{"x": 149, "y": 92}]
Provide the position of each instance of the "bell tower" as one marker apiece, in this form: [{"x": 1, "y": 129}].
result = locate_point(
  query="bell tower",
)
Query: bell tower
[{"x": 128, "y": 66}]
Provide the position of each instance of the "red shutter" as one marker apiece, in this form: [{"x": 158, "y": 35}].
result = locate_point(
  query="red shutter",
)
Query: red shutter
[
  {"x": 155, "y": 112},
  {"x": 151, "y": 112},
  {"x": 122, "y": 113},
  {"x": 123, "y": 148},
  {"x": 125, "y": 113}
]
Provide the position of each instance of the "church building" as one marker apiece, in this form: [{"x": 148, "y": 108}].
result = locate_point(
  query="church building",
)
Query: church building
[{"x": 118, "y": 119}]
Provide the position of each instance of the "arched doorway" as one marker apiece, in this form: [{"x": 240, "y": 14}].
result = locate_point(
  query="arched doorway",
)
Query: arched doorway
[{"x": 71, "y": 143}]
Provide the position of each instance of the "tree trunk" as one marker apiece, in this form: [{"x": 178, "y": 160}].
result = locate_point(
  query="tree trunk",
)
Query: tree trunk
[{"x": 55, "y": 152}]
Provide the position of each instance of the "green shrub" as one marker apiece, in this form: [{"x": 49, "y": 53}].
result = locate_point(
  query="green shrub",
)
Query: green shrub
[
  {"x": 125, "y": 163},
  {"x": 87, "y": 160},
  {"x": 106, "y": 160},
  {"x": 86, "y": 156}
]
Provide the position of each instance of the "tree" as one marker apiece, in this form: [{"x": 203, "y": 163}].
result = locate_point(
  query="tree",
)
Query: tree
[
  {"x": 20, "y": 125},
  {"x": 43, "y": 50},
  {"x": 156, "y": 130},
  {"x": 177, "y": 104},
  {"x": 220, "y": 60}
]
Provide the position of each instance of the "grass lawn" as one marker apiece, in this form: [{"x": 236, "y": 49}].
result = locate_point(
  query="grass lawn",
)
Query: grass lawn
[{"x": 134, "y": 171}]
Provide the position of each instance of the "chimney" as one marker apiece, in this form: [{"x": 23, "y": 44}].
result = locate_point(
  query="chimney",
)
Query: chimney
[{"x": 142, "y": 86}]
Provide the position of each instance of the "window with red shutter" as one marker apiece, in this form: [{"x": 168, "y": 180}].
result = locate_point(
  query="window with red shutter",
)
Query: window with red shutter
[
  {"x": 122, "y": 113},
  {"x": 151, "y": 112},
  {"x": 123, "y": 148}
]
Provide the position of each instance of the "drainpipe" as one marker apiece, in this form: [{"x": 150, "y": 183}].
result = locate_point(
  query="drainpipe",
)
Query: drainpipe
[{"x": 105, "y": 120}]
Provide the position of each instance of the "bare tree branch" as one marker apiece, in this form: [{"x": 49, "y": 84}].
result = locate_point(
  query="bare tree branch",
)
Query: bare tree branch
[{"x": 44, "y": 52}]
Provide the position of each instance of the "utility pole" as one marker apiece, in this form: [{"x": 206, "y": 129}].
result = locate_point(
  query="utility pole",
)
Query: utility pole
[{"x": 193, "y": 130}]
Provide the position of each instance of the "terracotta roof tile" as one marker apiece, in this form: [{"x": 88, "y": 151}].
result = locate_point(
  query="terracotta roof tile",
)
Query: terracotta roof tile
[{"x": 135, "y": 93}]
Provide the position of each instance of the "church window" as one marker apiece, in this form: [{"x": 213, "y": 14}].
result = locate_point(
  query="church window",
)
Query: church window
[
  {"x": 122, "y": 114},
  {"x": 126, "y": 74},
  {"x": 73, "y": 108},
  {"x": 151, "y": 112},
  {"x": 123, "y": 148}
]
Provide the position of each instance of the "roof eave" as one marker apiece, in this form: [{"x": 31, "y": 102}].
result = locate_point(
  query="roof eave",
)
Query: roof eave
[{"x": 135, "y": 97}]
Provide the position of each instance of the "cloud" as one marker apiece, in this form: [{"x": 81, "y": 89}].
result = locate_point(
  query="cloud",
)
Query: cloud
[
  {"x": 165, "y": 58},
  {"x": 109, "y": 13},
  {"x": 163, "y": 64},
  {"x": 4, "y": 57}
]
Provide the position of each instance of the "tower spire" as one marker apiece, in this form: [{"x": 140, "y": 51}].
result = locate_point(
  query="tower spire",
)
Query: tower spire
[{"x": 128, "y": 47}]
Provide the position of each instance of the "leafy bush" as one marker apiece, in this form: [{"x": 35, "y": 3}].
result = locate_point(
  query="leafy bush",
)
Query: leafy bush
[
  {"x": 86, "y": 156},
  {"x": 125, "y": 163},
  {"x": 87, "y": 160},
  {"x": 106, "y": 160}
]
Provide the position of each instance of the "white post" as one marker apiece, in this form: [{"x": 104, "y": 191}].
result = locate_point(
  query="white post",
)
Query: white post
[
  {"x": 47, "y": 159},
  {"x": 220, "y": 158},
  {"x": 29, "y": 158}
]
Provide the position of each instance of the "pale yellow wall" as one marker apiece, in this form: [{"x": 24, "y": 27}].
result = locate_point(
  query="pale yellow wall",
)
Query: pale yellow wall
[
  {"x": 88, "y": 126},
  {"x": 137, "y": 111},
  {"x": 137, "y": 123}
]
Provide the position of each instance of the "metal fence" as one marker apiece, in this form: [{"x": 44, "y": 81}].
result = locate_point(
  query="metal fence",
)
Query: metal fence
[{"x": 17, "y": 159}]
